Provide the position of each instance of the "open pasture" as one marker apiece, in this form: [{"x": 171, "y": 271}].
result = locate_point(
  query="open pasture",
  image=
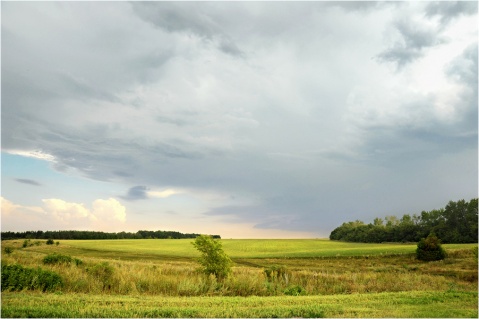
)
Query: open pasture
[
  {"x": 151, "y": 278},
  {"x": 236, "y": 248}
]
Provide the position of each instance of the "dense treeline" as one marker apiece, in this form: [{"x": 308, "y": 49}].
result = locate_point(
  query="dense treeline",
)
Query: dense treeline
[
  {"x": 456, "y": 223},
  {"x": 78, "y": 234}
]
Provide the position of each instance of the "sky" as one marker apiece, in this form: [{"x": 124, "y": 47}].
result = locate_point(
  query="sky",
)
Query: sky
[{"x": 243, "y": 119}]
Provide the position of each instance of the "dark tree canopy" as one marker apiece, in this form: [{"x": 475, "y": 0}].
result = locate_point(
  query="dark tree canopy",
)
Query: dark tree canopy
[
  {"x": 78, "y": 234},
  {"x": 456, "y": 223}
]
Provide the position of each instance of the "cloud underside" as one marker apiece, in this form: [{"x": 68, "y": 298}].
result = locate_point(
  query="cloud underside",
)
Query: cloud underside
[
  {"x": 28, "y": 181},
  {"x": 291, "y": 106}
]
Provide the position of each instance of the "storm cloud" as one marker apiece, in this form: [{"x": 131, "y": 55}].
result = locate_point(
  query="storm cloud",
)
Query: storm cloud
[{"x": 296, "y": 116}]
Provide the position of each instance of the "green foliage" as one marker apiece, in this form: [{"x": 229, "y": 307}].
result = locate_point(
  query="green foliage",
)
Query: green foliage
[
  {"x": 430, "y": 249},
  {"x": 17, "y": 277},
  {"x": 456, "y": 223},
  {"x": 8, "y": 250},
  {"x": 56, "y": 258},
  {"x": 295, "y": 290},
  {"x": 76, "y": 234},
  {"x": 26, "y": 243},
  {"x": 213, "y": 260},
  {"x": 50, "y": 241}
]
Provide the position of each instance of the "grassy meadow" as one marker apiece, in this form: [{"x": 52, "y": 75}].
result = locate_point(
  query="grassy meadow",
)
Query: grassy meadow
[{"x": 312, "y": 278}]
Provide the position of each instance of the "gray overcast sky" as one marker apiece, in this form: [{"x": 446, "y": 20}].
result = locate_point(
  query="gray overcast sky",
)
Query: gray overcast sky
[{"x": 247, "y": 119}]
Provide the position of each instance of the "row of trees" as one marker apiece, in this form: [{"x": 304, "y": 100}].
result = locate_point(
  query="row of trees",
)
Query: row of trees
[
  {"x": 456, "y": 223},
  {"x": 78, "y": 234}
]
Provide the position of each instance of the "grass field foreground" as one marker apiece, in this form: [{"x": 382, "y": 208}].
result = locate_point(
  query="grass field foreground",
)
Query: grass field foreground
[{"x": 402, "y": 304}]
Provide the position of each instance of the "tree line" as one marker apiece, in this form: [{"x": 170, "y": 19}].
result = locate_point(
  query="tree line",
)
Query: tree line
[
  {"x": 80, "y": 234},
  {"x": 456, "y": 223}
]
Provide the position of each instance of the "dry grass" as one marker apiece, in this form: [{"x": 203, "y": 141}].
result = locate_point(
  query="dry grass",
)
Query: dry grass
[{"x": 318, "y": 276}]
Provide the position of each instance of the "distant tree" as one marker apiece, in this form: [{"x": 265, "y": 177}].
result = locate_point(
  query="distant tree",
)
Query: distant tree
[
  {"x": 456, "y": 223},
  {"x": 213, "y": 260},
  {"x": 429, "y": 249}
]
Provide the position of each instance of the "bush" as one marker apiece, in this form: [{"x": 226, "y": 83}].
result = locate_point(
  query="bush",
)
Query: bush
[
  {"x": 17, "y": 277},
  {"x": 213, "y": 260},
  {"x": 430, "y": 249},
  {"x": 50, "y": 241},
  {"x": 61, "y": 259},
  {"x": 8, "y": 250},
  {"x": 295, "y": 291}
]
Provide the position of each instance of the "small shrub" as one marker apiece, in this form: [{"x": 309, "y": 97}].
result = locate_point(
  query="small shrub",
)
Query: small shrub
[
  {"x": 8, "y": 250},
  {"x": 295, "y": 291},
  {"x": 26, "y": 243},
  {"x": 50, "y": 241},
  {"x": 57, "y": 243},
  {"x": 16, "y": 277},
  {"x": 61, "y": 259},
  {"x": 430, "y": 249}
]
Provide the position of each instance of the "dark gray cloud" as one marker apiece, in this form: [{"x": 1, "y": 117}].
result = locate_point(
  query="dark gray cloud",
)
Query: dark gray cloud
[
  {"x": 305, "y": 128},
  {"x": 414, "y": 39},
  {"x": 193, "y": 18},
  {"x": 136, "y": 193},
  {"x": 449, "y": 10},
  {"x": 28, "y": 181}
]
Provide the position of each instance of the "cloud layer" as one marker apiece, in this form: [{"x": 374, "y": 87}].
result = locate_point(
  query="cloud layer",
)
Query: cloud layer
[{"x": 299, "y": 111}]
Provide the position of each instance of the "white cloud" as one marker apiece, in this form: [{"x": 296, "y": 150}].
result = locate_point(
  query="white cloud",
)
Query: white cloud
[
  {"x": 164, "y": 193},
  {"x": 109, "y": 210},
  {"x": 33, "y": 154},
  {"x": 106, "y": 215}
]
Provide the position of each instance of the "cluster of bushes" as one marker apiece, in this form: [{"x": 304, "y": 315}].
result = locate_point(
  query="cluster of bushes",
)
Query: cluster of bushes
[
  {"x": 56, "y": 258},
  {"x": 456, "y": 223},
  {"x": 17, "y": 277}
]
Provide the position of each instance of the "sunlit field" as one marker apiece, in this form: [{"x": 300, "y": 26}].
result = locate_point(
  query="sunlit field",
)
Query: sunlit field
[
  {"x": 318, "y": 278},
  {"x": 238, "y": 248}
]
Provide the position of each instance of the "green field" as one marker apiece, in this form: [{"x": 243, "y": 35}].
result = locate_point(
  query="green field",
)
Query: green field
[
  {"x": 159, "y": 278},
  {"x": 239, "y": 248}
]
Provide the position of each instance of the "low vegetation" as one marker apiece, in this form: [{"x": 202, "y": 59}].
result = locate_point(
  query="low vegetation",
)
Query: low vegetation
[
  {"x": 56, "y": 258},
  {"x": 317, "y": 278},
  {"x": 17, "y": 277}
]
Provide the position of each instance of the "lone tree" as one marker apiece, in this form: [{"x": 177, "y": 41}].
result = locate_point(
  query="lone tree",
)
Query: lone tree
[
  {"x": 430, "y": 249},
  {"x": 213, "y": 260}
]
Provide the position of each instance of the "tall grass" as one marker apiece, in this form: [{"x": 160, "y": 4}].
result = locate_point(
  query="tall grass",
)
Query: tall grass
[{"x": 313, "y": 276}]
